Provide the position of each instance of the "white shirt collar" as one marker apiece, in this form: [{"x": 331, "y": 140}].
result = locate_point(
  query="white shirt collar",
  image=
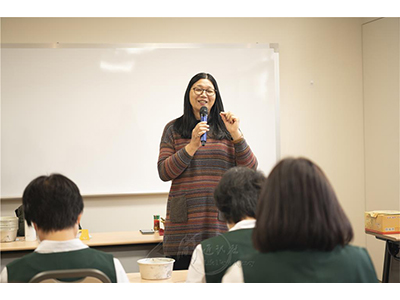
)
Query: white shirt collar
[
  {"x": 244, "y": 224},
  {"x": 48, "y": 246}
]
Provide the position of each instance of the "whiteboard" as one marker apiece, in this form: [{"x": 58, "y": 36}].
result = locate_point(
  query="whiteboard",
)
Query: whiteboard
[{"x": 96, "y": 113}]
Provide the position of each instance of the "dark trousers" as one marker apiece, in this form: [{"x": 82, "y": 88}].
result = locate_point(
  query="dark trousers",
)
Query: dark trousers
[{"x": 182, "y": 262}]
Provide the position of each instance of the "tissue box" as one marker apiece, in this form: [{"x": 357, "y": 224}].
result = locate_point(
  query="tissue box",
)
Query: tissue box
[{"x": 382, "y": 221}]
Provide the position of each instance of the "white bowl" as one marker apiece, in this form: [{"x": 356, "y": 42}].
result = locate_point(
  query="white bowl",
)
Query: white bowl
[{"x": 156, "y": 267}]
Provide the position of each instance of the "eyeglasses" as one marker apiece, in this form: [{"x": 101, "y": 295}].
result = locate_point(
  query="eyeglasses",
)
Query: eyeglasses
[{"x": 199, "y": 91}]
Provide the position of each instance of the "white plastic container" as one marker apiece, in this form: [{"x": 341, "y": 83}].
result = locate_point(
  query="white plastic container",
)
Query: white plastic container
[
  {"x": 8, "y": 229},
  {"x": 156, "y": 267}
]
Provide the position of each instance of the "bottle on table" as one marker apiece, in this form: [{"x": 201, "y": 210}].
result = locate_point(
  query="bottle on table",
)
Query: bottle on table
[{"x": 156, "y": 222}]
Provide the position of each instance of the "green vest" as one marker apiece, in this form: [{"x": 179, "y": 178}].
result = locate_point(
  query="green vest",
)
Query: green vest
[
  {"x": 23, "y": 269},
  {"x": 222, "y": 251},
  {"x": 343, "y": 264}
]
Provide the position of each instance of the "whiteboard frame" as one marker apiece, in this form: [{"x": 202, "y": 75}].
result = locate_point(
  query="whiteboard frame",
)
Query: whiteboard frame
[{"x": 274, "y": 46}]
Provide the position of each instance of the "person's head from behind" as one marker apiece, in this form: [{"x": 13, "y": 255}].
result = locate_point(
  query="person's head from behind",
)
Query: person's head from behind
[
  {"x": 298, "y": 210},
  {"x": 237, "y": 193},
  {"x": 53, "y": 203}
]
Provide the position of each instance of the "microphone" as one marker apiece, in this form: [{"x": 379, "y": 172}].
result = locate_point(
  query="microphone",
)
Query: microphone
[{"x": 203, "y": 118}]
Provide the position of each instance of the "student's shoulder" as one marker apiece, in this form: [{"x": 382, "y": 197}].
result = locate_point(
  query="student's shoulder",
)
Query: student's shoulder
[
  {"x": 215, "y": 239},
  {"x": 228, "y": 236},
  {"x": 359, "y": 258},
  {"x": 355, "y": 249},
  {"x": 22, "y": 260},
  {"x": 356, "y": 254},
  {"x": 98, "y": 252},
  {"x": 243, "y": 231}
]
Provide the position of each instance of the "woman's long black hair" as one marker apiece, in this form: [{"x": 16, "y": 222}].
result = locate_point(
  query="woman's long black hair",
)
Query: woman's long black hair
[{"x": 184, "y": 125}]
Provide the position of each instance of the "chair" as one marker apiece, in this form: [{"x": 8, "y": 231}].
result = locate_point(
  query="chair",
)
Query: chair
[{"x": 84, "y": 275}]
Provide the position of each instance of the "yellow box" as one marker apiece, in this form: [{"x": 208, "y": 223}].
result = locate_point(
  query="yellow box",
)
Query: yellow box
[{"x": 382, "y": 221}]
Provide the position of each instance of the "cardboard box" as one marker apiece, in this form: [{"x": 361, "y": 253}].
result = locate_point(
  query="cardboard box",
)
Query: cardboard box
[{"x": 382, "y": 221}]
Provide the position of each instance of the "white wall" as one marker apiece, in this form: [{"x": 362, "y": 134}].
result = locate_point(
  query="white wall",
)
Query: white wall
[
  {"x": 322, "y": 121},
  {"x": 381, "y": 68}
]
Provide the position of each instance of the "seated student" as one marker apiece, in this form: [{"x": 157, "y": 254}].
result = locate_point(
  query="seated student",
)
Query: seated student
[
  {"x": 301, "y": 232},
  {"x": 236, "y": 198},
  {"x": 54, "y": 205}
]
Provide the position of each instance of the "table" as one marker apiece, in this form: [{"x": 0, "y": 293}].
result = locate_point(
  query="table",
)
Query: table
[
  {"x": 392, "y": 248},
  {"x": 127, "y": 246},
  {"x": 177, "y": 277},
  {"x": 97, "y": 239}
]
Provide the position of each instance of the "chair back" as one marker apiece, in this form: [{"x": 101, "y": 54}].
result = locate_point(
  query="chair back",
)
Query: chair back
[{"x": 84, "y": 275}]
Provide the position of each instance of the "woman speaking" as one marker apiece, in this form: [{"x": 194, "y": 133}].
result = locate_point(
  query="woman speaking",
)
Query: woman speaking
[{"x": 195, "y": 170}]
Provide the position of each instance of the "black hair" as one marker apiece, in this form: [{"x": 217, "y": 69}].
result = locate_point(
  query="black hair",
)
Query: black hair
[
  {"x": 237, "y": 193},
  {"x": 52, "y": 202},
  {"x": 298, "y": 210},
  {"x": 185, "y": 124}
]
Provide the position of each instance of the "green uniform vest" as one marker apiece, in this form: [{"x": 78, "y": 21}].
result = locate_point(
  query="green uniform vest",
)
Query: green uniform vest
[
  {"x": 23, "y": 269},
  {"x": 343, "y": 264},
  {"x": 222, "y": 251}
]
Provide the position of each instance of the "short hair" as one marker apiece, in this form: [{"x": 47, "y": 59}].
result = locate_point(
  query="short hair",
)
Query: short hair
[
  {"x": 237, "y": 193},
  {"x": 52, "y": 202},
  {"x": 185, "y": 124},
  {"x": 298, "y": 210}
]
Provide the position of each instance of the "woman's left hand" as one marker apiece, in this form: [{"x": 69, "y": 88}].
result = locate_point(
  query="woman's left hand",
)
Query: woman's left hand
[{"x": 232, "y": 124}]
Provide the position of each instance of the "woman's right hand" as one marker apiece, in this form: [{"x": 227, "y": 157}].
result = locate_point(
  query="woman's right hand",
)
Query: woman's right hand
[{"x": 195, "y": 142}]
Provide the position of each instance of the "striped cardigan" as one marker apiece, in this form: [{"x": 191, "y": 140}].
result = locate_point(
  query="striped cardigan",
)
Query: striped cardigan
[{"x": 191, "y": 213}]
